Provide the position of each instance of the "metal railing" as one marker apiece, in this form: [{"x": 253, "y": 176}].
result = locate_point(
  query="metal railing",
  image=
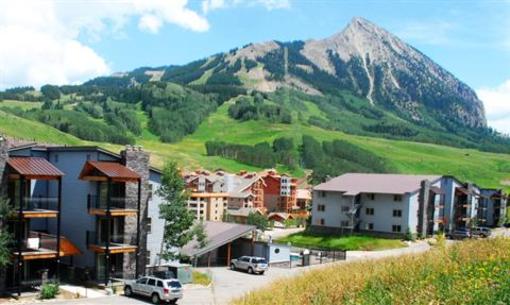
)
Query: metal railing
[
  {"x": 38, "y": 241},
  {"x": 100, "y": 202},
  {"x": 115, "y": 240},
  {"x": 35, "y": 203}
]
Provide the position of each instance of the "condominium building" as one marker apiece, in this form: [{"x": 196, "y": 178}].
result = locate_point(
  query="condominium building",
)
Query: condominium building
[
  {"x": 89, "y": 203},
  {"x": 279, "y": 192},
  {"x": 393, "y": 205},
  {"x": 213, "y": 193}
]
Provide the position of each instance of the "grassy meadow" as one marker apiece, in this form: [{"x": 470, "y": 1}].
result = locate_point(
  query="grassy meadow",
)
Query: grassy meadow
[
  {"x": 471, "y": 272},
  {"x": 347, "y": 243},
  {"x": 485, "y": 169}
]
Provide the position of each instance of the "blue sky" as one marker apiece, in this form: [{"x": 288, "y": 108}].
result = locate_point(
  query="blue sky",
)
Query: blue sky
[
  {"x": 469, "y": 38},
  {"x": 72, "y": 41}
]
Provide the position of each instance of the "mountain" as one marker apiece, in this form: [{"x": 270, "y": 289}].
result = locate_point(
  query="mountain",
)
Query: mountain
[
  {"x": 363, "y": 59},
  {"x": 331, "y": 105}
]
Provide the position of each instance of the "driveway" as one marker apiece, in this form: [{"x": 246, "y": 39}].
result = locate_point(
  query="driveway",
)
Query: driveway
[{"x": 230, "y": 284}]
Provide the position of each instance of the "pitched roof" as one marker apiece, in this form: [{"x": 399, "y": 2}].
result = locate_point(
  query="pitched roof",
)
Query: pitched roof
[
  {"x": 352, "y": 184},
  {"x": 218, "y": 234},
  {"x": 94, "y": 170},
  {"x": 34, "y": 167},
  {"x": 244, "y": 212}
]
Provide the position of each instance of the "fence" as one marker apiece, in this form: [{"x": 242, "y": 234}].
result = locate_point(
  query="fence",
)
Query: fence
[{"x": 309, "y": 257}]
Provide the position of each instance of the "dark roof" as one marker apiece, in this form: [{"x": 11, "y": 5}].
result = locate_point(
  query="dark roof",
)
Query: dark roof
[
  {"x": 46, "y": 147},
  {"x": 218, "y": 234},
  {"x": 34, "y": 168},
  {"x": 92, "y": 170}
]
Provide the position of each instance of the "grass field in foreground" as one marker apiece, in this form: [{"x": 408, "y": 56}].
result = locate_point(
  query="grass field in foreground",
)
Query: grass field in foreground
[
  {"x": 473, "y": 272},
  {"x": 355, "y": 242}
]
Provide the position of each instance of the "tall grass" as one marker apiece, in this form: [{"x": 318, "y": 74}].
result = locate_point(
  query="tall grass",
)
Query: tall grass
[{"x": 471, "y": 272}]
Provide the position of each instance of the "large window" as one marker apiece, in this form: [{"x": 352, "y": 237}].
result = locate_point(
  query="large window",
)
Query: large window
[
  {"x": 370, "y": 226},
  {"x": 369, "y": 211},
  {"x": 371, "y": 196},
  {"x": 396, "y": 228},
  {"x": 397, "y": 213},
  {"x": 321, "y": 207},
  {"x": 344, "y": 223},
  {"x": 321, "y": 221},
  {"x": 397, "y": 198}
]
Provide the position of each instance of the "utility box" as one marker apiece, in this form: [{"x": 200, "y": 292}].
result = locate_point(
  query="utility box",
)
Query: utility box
[{"x": 183, "y": 272}]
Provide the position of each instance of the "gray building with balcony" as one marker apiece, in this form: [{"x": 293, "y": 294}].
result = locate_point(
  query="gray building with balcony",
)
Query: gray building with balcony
[
  {"x": 90, "y": 203},
  {"x": 394, "y": 204}
]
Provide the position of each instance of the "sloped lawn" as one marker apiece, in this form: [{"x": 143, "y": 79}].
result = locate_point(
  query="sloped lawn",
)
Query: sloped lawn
[{"x": 474, "y": 272}]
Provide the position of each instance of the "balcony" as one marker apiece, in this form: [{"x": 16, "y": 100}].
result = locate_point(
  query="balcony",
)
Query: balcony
[
  {"x": 97, "y": 206},
  {"x": 39, "y": 207},
  {"x": 116, "y": 244},
  {"x": 40, "y": 245}
]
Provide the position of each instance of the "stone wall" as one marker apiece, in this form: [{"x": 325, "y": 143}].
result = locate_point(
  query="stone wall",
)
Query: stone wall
[{"x": 137, "y": 160}]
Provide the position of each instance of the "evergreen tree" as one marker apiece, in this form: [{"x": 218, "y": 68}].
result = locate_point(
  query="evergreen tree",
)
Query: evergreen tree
[
  {"x": 260, "y": 221},
  {"x": 5, "y": 237}
]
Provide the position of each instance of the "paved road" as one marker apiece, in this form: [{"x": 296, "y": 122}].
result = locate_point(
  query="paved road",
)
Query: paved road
[{"x": 230, "y": 284}]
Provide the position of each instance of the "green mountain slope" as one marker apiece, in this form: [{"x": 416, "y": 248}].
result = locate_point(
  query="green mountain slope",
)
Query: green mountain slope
[{"x": 485, "y": 169}]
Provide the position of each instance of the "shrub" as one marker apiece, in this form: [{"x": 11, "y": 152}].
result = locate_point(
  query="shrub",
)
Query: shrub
[
  {"x": 49, "y": 291},
  {"x": 409, "y": 236}
]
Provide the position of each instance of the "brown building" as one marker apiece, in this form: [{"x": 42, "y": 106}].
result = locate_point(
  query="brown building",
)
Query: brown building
[{"x": 279, "y": 192}]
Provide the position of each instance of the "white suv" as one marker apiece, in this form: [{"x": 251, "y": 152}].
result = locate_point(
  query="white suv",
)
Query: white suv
[
  {"x": 252, "y": 264},
  {"x": 168, "y": 290}
]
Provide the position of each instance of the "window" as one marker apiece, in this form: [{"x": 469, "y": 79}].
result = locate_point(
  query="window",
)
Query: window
[
  {"x": 371, "y": 196},
  {"x": 397, "y": 213},
  {"x": 396, "y": 228},
  {"x": 160, "y": 284},
  {"x": 322, "y": 194},
  {"x": 369, "y": 211},
  {"x": 397, "y": 198},
  {"x": 344, "y": 223},
  {"x": 55, "y": 158},
  {"x": 142, "y": 281},
  {"x": 321, "y": 208},
  {"x": 321, "y": 221},
  {"x": 345, "y": 208},
  {"x": 149, "y": 225},
  {"x": 151, "y": 282},
  {"x": 148, "y": 257},
  {"x": 370, "y": 226}
]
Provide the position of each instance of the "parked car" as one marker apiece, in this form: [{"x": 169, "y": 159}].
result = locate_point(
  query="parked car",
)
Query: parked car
[
  {"x": 460, "y": 234},
  {"x": 481, "y": 232},
  {"x": 251, "y": 264},
  {"x": 158, "y": 289}
]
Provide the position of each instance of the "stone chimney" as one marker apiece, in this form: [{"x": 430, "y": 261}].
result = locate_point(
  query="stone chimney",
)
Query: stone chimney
[
  {"x": 134, "y": 158},
  {"x": 423, "y": 208}
]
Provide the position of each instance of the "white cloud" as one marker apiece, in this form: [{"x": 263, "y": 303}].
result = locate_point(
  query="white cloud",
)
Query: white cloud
[
  {"x": 46, "y": 41},
  {"x": 210, "y": 5},
  {"x": 497, "y": 106},
  {"x": 150, "y": 23}
]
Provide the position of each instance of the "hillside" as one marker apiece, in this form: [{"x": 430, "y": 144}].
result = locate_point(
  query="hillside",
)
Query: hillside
[
  {"x": 470, "y": 272},
  {"x": 486, "y": 169}
]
